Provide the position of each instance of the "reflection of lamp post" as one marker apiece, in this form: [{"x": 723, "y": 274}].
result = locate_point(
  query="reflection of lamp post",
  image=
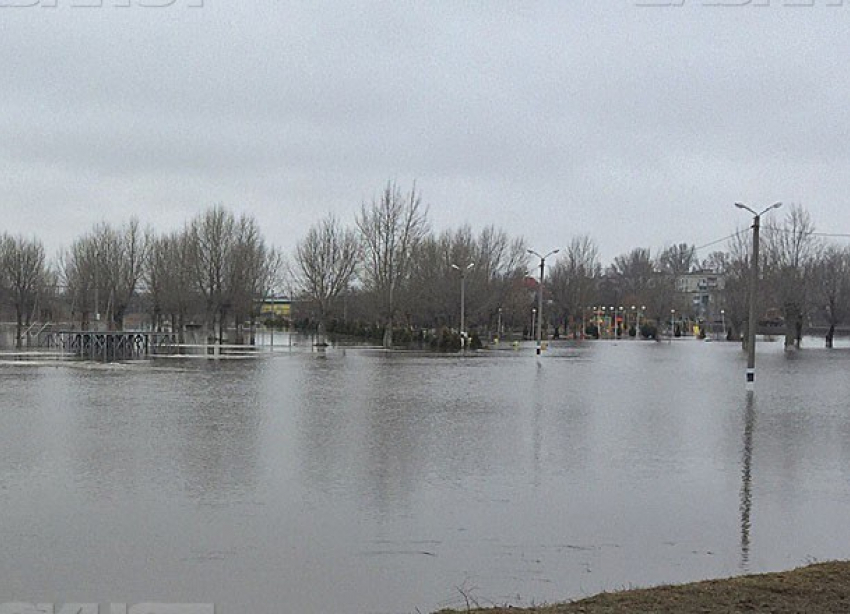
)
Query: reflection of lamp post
[
  {"x": 463, "y": 299},
  {"x": 540, "y": 295},
  {"x": 754, "y": 280}
]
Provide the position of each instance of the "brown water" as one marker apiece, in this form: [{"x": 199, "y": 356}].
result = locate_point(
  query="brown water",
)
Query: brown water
[{"x": 361, "y": 481}]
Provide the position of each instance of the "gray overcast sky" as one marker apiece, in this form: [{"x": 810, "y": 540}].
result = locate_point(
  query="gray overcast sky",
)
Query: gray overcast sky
[{"x": 640, "y": 126}]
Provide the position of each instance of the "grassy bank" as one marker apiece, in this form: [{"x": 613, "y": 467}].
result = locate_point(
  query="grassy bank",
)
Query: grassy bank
[{"x": 823, "y": 588}]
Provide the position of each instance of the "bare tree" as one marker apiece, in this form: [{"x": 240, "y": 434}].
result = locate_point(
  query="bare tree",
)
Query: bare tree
[
  {"x": 211, "y": 235},
  {"x": 631, "y": 277},
  {"x": 326, "y": 260},
  {"x": 251, "y": 270},
  {"x": 791, "y": 251},
  {"x": 496, "y": 260},
  {"x": 232, "y": 267},
  {"x": 23, "y": 271},
  {"x": 678, "y": 259},
  {"x": 734, "y": 265},
  {"x": 391, "y": 228},
  {"x": 169, "y": 280},
  {"x": 500, "y": 266},
  {"x": 833, "y": 287},
  {"x": 574, "y": 277},
  {"x": 103, "y": 268}
]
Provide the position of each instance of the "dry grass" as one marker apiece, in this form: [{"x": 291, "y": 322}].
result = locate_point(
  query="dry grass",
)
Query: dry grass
[{"x": 823, "y": 588}]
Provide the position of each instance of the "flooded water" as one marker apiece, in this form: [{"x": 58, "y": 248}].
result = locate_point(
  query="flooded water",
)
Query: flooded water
[{"x": 361, "y": 481}]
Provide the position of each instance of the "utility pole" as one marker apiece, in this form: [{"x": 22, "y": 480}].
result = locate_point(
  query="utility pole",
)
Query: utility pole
[
  {"x": 463, "y": 300},
  {"x": 752, "y": 322},
  {"x": 540, "y": 296}
]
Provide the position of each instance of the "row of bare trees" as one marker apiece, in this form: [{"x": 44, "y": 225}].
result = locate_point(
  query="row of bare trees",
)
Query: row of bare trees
[
  {"x": 391, "y": 260},
  {"x": 24, "y": 276},
  {"x": 391, "y": 270},
  {"x": 400, "y": 273},
  {"x": 212, "y": 272},
  {"x": 218, "y": 268}
]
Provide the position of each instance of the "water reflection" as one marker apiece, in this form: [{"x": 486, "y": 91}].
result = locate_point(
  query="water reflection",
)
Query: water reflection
[
  {"x": 303, "y": 481},
  {"x": 122, "y": 430}
]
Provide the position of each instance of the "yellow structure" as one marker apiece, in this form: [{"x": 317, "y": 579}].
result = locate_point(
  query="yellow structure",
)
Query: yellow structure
[{"x": 276, "y": 307}]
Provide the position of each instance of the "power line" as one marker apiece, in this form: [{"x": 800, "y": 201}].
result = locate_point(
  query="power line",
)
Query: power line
[
  {"x": 734, "y": 234},
  {"x": 837, "y": 235}
]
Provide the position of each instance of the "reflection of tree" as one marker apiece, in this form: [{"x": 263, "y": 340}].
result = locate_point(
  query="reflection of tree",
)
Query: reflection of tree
[
  {"x": 219, "y": 433},
  {"x": 746, "y": 504},
  {"x": 197, "y": 434}
]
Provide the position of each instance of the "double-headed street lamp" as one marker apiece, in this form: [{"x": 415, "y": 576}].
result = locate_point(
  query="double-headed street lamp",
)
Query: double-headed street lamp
[
  {"x": 540, "y": 294},
  {"x": 463, "y": 300},
  {"x": 754, "y": 280}
]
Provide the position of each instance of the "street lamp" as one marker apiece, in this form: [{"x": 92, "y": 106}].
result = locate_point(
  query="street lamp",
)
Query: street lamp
[
  {"x": 533, "y": 318},
  {"x": 463, "y": 300},
  {"x": 672, "y": 324},
  {"x": 602, "y": 323},
  {"x": 499, "y": 325},
  {"x": 637, "y": 326},
  {"x": 540, "y": 295},
  {"x": 723, "y": 322},
  {"x": 754, "y": 280},
  {"x": 622, "y": 317}
]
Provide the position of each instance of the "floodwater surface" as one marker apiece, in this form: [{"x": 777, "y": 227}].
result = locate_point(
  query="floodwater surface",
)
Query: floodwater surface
[{"x": 363, "y": 481}]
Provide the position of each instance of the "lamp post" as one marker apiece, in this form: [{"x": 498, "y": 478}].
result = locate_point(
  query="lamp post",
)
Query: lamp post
[
  {"x": 622, "y": 316},
  {"x": 463, "y": 300},
  {"x": 499, "y": 325},
  {"x": 602, "y": 323},
  {"x": 540, "y": 295},
  {"x": 96, "y": 325},
  {"x": 613, "y": 323},
  {"x": 533, "y": 318},
  {"x": 672, "y": 324},
  {"x": 754, "y": 280},
  {"x": 723, "y": 322}
]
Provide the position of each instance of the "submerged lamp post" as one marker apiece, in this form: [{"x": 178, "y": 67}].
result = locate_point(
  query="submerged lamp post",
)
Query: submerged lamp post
[
  {"x": 672, "y": 324},
  {"x": 754, "y": 280},
  {"x": 533, "y": 319},
  {"x": 463, "y": 300},
  {"x": 540, "y": 295}
]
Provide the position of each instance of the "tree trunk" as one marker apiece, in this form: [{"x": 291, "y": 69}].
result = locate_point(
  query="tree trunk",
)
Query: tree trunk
[
  {"x": 388, "y": 333},
  {"x": 830, "y": 335},
  {"x": 19, "y": 329}
]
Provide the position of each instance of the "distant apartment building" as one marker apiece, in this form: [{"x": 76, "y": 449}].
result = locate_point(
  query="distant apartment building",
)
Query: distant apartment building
[{"x": 702, "y": 291}]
